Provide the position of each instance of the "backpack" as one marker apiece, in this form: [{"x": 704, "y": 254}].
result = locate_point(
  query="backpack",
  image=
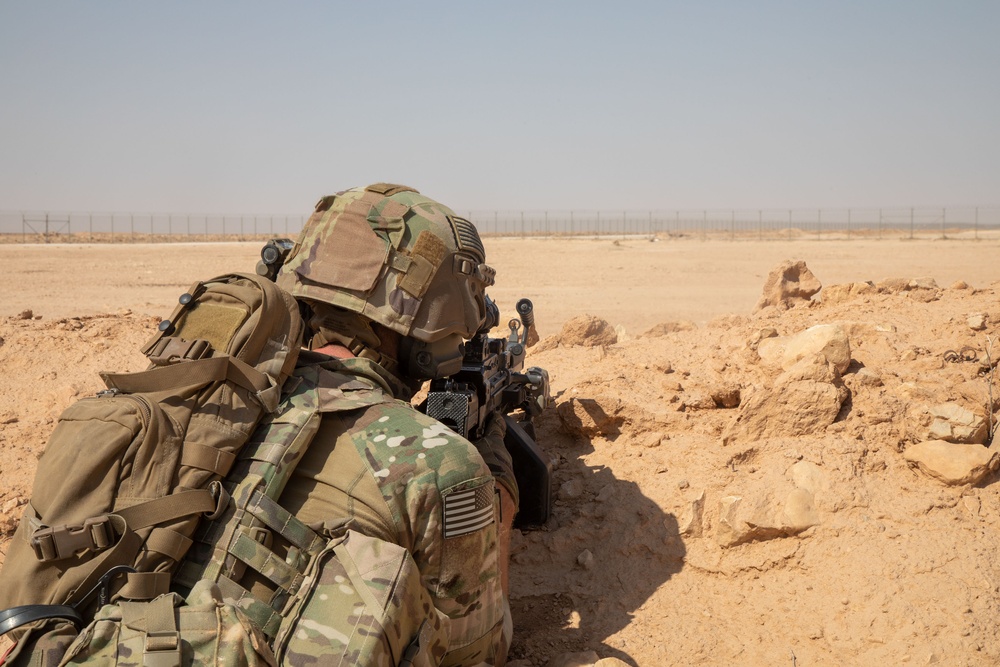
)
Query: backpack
[{"x": 127, "y": 474}]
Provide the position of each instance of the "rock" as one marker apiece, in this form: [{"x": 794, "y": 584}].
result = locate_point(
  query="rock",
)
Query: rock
[
  {"x": 653, "y": 439},
  {"x": 951, "y": 463},
  {"x": 726, "y": 396},
  {"x": 10, "y": 505},
  {"x": 799, "y": 511},
  {"x": 959, "y": 284},
  {"x": 692, "y": 524},
  {"x": 789, "y": 283},
  {"x": 924, "y": 295},
  {"x": 922, "y": 283},
  {"x": 25, "y": 315},
  {"x": 571, "y": 489},
  {"x": 588, "y": 331},
  {"x": 785, "y": 511},
  {"x": 946, "y": 421},
  {"x": 866, "y": 377},
  {"x": 792, "y": 407},
  {"x": 845, "y": 292},
  {"x": 583, "y": 659},
  {"x": 829, "y": 340},
  {"x": 977, "y": 322},
  {"x": 664, "y": 328},
  {"x": 587, "y": 417},
  {"x": 585, "y": 559}
]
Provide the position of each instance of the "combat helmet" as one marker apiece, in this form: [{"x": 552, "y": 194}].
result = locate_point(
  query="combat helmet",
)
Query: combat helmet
[{"x": 395, "y": 257}]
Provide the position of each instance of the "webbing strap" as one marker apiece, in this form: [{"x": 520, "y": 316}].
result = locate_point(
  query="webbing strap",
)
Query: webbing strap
[
  {"x": 208, "y": 458},
  {"x": 145, "y": 585},
  {"x": 162, "y": 645},
  {"x": 168, "y": 542},
  {"x": 189, "y": 374},
  {"x": 168, "y": 508},
  {"x": 265, "y": 561},
  {"x": 266, "y": 618},
  {"x": 280, "y": 520}
]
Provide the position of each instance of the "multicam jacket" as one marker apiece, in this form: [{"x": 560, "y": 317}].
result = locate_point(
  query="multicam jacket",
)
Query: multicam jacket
[{"x": 407, "y": 488}]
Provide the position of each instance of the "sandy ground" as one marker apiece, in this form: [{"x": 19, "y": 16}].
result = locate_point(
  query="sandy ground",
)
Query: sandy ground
[{"x": 651, "y": 443}]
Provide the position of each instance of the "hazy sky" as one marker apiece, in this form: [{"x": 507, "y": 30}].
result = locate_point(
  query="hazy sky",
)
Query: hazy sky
[{"x": 263, "y": 107}]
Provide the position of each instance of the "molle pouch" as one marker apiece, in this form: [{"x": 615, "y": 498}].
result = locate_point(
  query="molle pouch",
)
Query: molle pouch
[
  {"x": 362, "y": 603},
  {"x": 166, "y": 632}
]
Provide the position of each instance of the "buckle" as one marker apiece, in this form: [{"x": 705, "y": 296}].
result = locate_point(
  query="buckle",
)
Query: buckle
[
  {"x": 162, "y": 649},
  {"x": 57, "y": 542}
]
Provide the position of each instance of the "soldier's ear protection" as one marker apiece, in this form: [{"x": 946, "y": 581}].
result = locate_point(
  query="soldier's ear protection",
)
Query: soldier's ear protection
[{"x": 428, "y": 361}]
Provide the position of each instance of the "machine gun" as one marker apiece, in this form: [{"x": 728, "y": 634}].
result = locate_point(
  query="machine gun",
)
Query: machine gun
[{"x": 491, "y": 381}]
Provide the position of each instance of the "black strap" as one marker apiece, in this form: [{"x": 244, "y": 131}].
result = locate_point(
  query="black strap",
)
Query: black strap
[{"x": 15, "y": 617}]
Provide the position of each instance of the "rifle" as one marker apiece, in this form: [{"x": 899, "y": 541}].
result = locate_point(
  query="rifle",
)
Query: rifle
[{"x": 491, "y": 381}]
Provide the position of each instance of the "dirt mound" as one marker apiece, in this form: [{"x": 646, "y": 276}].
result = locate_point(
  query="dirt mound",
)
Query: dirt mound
[{"x": 736, "y": 493}]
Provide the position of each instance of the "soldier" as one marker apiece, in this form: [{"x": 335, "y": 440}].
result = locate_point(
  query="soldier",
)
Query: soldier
[{"x": 391, "y": 284}]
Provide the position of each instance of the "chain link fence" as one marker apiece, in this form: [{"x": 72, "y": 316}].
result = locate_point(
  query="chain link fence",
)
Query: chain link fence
[{"x": 759, "y": 224}]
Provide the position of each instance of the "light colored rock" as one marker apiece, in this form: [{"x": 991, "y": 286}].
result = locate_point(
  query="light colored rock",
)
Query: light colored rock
[
  {"x": 588, "y": 331},
  {"x": 794, "y": 408},
  {"x": 951, "y": 463},
  {"x": 788, "y": 283},
  {"x": 946, "y": 421},
  {"x": 744, "y": 519},
  {"x": 829, "y": 340},
  {"x": 585, "y": 559},
  {"x": 831, "y": 294},
  {"x": 977, "y": 322},
  {"x": 808, "y": 476},
  {"x": 693, "y": 523},
  {"x": 799, "y": 511},
  {"x": 10, "y": 505}
]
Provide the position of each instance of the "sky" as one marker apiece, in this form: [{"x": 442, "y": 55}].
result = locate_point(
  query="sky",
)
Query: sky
[{"x": 264, "y": 107}]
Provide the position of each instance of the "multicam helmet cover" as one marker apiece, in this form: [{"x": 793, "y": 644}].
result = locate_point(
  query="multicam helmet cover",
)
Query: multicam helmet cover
[{"x": 396, "y": 257}]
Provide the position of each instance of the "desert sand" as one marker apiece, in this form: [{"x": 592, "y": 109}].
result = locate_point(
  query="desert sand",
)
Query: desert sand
[{"x": 719, "y": 499}]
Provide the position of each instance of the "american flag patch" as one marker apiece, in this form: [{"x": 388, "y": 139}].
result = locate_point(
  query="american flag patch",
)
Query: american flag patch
[{"x": 468, "y": 510}]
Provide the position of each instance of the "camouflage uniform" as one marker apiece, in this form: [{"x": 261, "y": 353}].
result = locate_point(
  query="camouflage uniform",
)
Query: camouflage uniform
[
  {"x": 393, "y": 471},
  {"x": 369, "y": 262}
]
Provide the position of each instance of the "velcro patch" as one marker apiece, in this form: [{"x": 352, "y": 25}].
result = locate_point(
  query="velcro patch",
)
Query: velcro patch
[
  {"x": 427, "y": 255},
  {"x": 468, "y": 510}
]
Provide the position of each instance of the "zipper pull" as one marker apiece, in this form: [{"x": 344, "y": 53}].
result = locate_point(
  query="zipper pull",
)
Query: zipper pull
[{"x": 108, "y": 393}]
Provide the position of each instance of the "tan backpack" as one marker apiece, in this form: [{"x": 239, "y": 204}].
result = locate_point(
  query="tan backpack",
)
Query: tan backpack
[{"x": 127, "y": 474}]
